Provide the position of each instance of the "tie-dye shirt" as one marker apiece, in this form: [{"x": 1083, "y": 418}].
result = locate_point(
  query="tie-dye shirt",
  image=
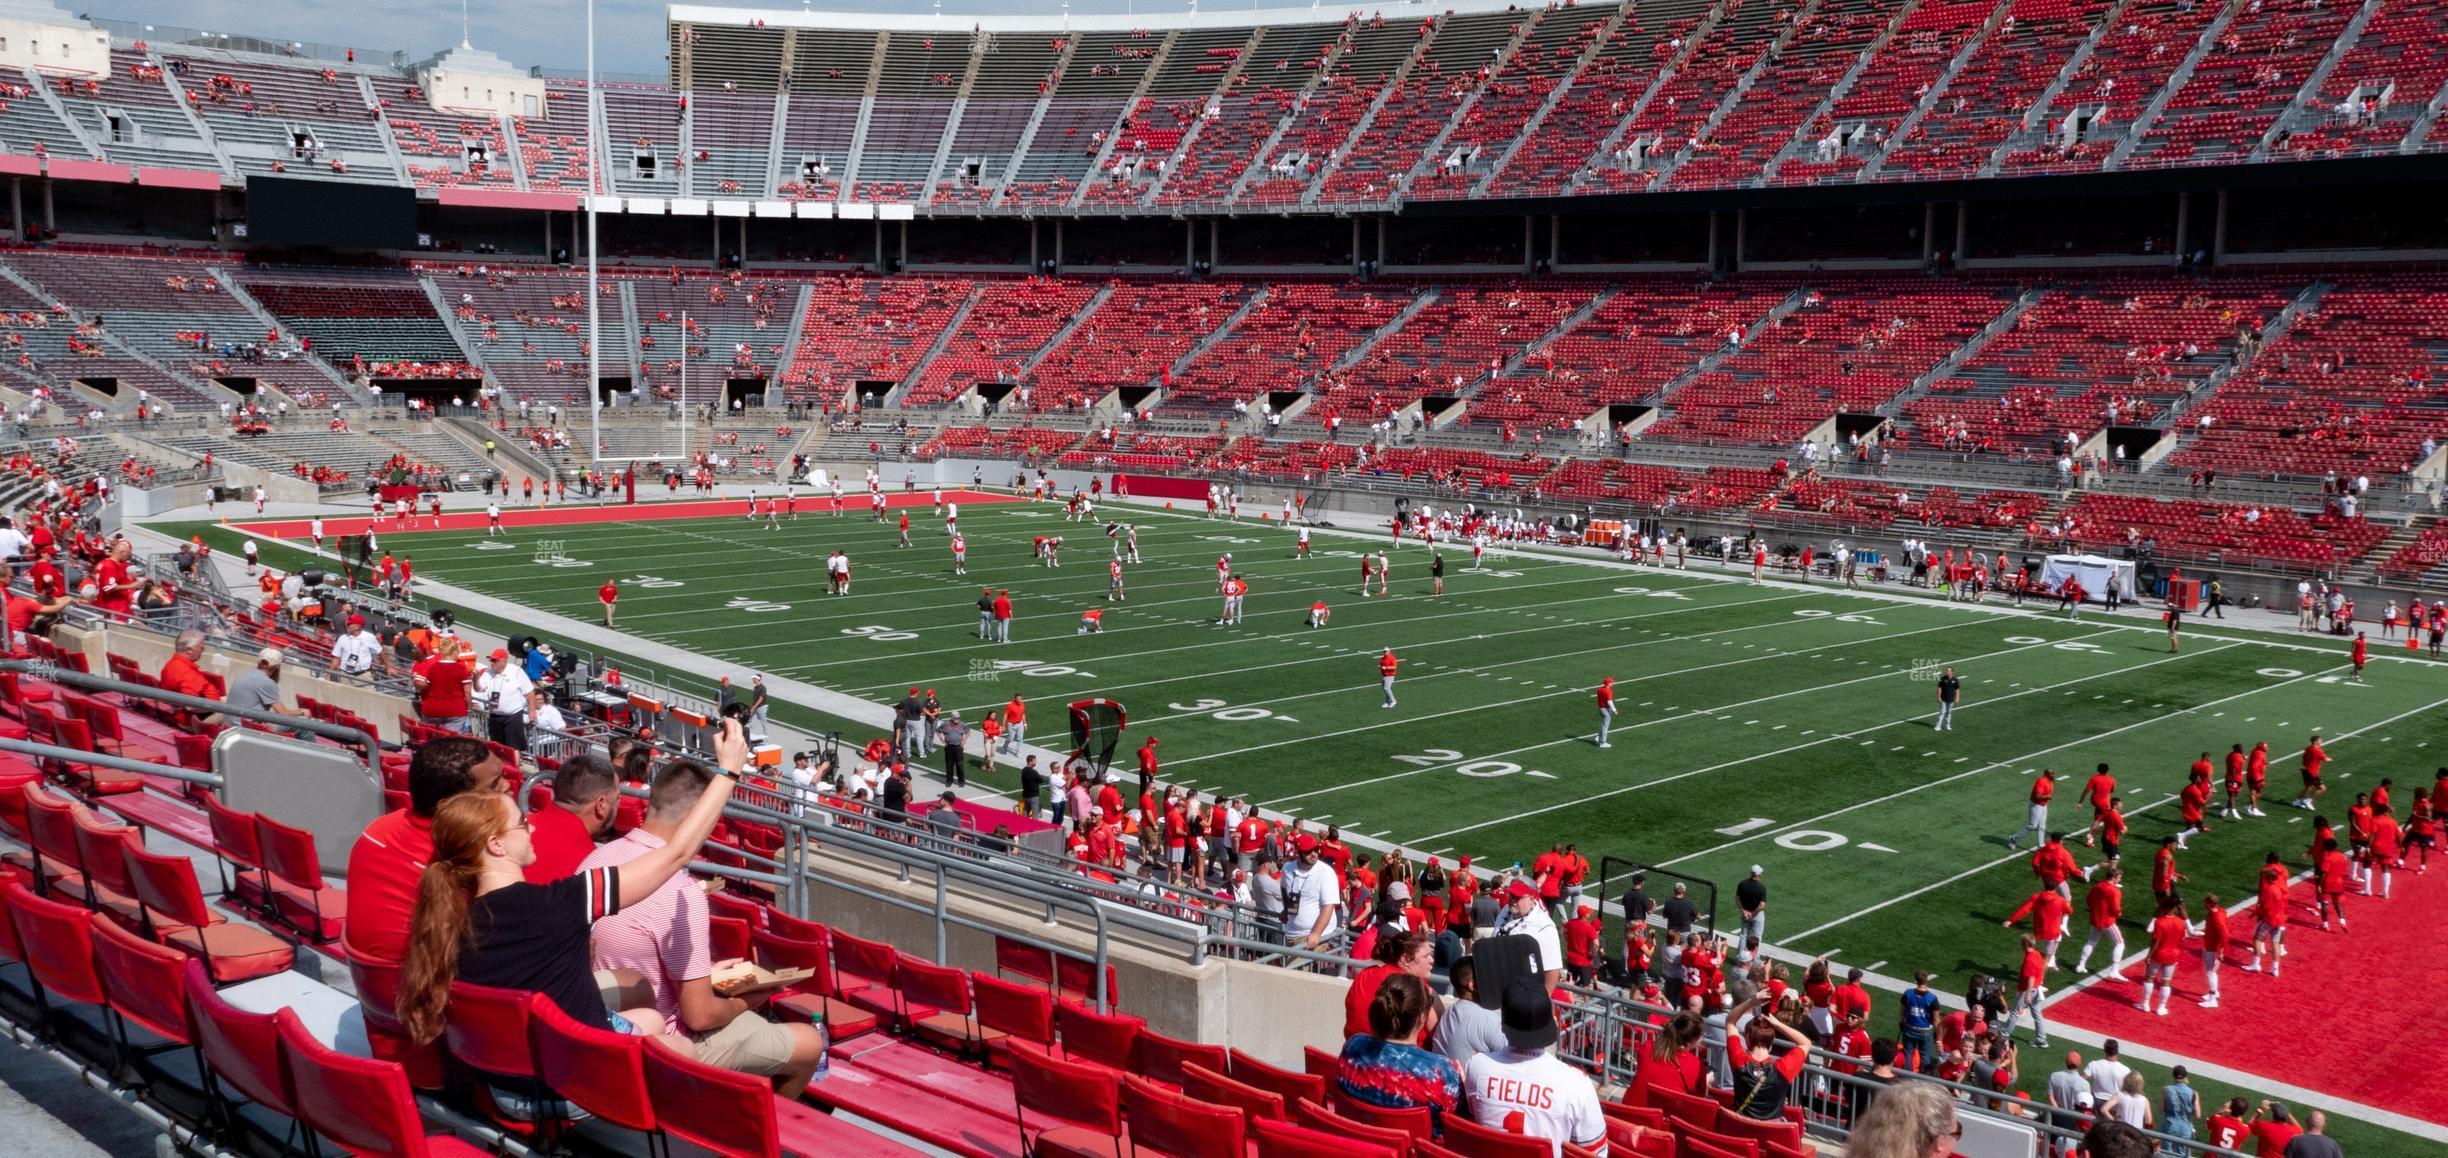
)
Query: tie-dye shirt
[{"x": 1392, "y": 1075}]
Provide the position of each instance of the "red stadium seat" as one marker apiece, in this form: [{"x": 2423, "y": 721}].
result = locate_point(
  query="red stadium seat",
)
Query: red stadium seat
[
  {"x": 360, "y": 1104},
  {"x": 1163, "y": 1121}
]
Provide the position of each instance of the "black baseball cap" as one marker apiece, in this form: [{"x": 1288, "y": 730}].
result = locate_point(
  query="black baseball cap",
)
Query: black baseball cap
[{"x": 1529, "y": 1016}]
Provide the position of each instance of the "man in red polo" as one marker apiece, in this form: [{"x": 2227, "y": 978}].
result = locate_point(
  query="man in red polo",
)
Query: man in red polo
[
  {"x": 609, "y": 594},
  {"x": 389, "y": 858},
  {"x": 585, "y": 797}
]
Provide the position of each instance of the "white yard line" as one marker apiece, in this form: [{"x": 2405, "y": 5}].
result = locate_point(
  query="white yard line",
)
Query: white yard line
[
  {"x": 1648, "y": 784},
  {"x": 1551, "y": 657},
  {"x": 1978, "y": 869},
  {"x": 1692, "y": 714}
]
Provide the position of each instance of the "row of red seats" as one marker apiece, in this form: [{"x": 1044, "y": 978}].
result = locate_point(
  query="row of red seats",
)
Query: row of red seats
[
  {"x": 2248, "y": 80},
  {"x": 2192, "y": 528}
]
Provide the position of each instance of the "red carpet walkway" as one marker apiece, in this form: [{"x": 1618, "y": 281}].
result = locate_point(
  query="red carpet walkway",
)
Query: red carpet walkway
[
  {"x": 576, "y": 513},
  {"x": 2346, "y": 1004}
]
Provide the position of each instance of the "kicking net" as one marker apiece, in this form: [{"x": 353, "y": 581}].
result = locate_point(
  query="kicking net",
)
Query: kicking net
[{"x": 1096, "y": 730}]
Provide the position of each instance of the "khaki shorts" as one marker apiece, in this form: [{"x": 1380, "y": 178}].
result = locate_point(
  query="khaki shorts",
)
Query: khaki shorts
[{"x": 749, "y": 1045}]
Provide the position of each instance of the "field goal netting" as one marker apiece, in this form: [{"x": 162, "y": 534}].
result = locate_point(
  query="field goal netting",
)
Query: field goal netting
[
  {"x": 1096, "y": 730},
  {"x": 1615, "y": 879},
  {"x": 356, "y": 557}
]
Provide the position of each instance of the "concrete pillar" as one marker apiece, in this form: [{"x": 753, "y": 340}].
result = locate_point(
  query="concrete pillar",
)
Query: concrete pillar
[
  {"x": 1963, "y": 230},
  {"x": 1555, "y": 238},
  {"x": 1058, "y": 243},
  {"x": 17, "y": 207},
  {"x": 1356, "y": 252},
  {"x": 50, "y": 218},
  {"x": 904, "y": 244},
  {"x": 1929, "y": 231},
  {"x": 2218, "y": 232},
  {"x": 2184, "y": 222},
  {"x": 1529, "y": 243},
  {"x": 548, "y": 236},
  {"x": 1742, "y": 234},
  {"x": 1712, "y": 240}
]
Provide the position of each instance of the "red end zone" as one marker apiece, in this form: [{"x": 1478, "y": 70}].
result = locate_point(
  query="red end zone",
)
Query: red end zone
[
  {"x": 2344, "y": 1003},
  {"x": 575, "y": 514}
]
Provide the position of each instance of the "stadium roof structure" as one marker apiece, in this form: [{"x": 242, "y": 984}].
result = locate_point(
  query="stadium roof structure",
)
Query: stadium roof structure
[{"x": 1061, "y": 21}]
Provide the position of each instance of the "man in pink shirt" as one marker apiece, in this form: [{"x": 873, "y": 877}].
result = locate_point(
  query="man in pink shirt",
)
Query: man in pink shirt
[{"x": 664, "y": 938}]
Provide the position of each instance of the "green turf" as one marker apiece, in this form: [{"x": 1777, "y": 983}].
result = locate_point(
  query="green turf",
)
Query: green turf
[{"x": 1773, "y": 725}]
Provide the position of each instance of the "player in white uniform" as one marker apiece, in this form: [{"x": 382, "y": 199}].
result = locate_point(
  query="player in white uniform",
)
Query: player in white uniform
[
  {"x": 1478, "y": 549},
  {"x": 1113, "y": 580},
  {"x": 875, "y": 503},
  {"x": 960, "y": 554},
  {"x": 1287, "y": 515},
  {"x": 315, "y": 528},
  {"x": 1223, "y": 571},
  {"x": 1300, "y": 549},
  {"x": 939, "y": 500},
  {"x": 492, "y": 520},
  {"x": 1053, "y": 551},
  {"x": 837, "y": 507},
  {"x": 1382, "y": 568},
  {"x": 1130, "y": 536}
]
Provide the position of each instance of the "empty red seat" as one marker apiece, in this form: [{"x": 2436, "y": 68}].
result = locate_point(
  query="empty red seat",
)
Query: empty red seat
[
  {"x": 174, "y": 909},
  {"x": 363, "y": 1105},
  {"x": 1087, "y": 1099}
]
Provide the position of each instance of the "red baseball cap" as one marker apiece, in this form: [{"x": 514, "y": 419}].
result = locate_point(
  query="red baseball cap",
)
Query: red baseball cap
[
  {"x": 1519, "y": 889},
  {"x": 1305, "y": 843}
]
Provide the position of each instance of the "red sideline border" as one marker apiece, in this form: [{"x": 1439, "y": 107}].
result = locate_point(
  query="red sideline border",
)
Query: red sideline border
[{"x": 575, "y": 514}]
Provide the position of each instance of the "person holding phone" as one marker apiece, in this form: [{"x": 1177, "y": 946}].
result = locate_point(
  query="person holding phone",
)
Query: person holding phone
[{"x": 664, "y": 939}]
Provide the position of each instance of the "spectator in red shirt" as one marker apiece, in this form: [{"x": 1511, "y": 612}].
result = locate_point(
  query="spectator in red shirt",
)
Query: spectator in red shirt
[
  {"x": 442, "y": 687},
  {"x": 1581, "y": 945},
  {"x": 1413, "y": 953},
  {"x": 390, "y": 856},
  {"x": 585, "y": 795},
  {"x": 2272, "y": 1127}
]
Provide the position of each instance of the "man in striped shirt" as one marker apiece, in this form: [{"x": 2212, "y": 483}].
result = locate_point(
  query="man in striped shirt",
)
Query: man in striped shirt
[{"x": 665, "y": 937}]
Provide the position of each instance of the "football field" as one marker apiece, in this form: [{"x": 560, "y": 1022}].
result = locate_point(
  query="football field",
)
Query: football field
[{"x": 1786, "y": 725}]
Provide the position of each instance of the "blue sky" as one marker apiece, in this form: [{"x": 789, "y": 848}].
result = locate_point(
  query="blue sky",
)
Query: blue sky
[{"x": 629, "y": 33}]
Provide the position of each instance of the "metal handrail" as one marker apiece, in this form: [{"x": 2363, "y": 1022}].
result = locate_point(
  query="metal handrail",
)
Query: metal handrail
[
  {"x": 106, "y": 760},
  {"x": 370, "y": 743},
  {"x": 1609, "y": 1033}
]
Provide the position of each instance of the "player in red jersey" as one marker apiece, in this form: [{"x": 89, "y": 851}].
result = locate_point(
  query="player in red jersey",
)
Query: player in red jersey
[
  {"x": 2387, "y": 852},
  {"x": 2213, "y": 947},
  {"x": 2331, "y": 874},
  {"x": 2101, "y": 788},
  {"x": 905, "y": 539},
  {"x": 1385, "y": 674},
  {"x": 2358, "y": 841},
  {"x": 2235, "y": 781},
  {"x": 2193, "y": 805},
  {"x": 2043, "y": 789},
  {"x": 2167, "y": 944},
  {"x": 2361, "y": 653},
  {"x": 1606, "y": 710},
  {"x": 2164, "y": 877},
  {"x": 2104, "y": 903},
  {"x": 2270, "y": 917},
  {"x": 2048, "y": 910},
  {"x": 2112, "y": 830},
  {"x": 2315, "y": 758},
  {"x": 2422, "y": 825},
  {"x": 2256, "y": 777},
  {"x": 2031, "y": 993}
]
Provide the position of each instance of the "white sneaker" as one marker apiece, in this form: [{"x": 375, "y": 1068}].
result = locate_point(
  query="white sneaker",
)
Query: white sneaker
[
  {"x": 1605, "y": 745},
  {"x": 2255, "y": 812},
  {"x": 2253, "y": 967},
  {"x": 2144, "y": 1006},
  {"x": 2163, "y": 1009},
  {"x": 2210, "y": 1002}
]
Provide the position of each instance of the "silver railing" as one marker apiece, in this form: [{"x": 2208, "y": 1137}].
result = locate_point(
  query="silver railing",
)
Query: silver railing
[{"x": 1609, "y": 1034}]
